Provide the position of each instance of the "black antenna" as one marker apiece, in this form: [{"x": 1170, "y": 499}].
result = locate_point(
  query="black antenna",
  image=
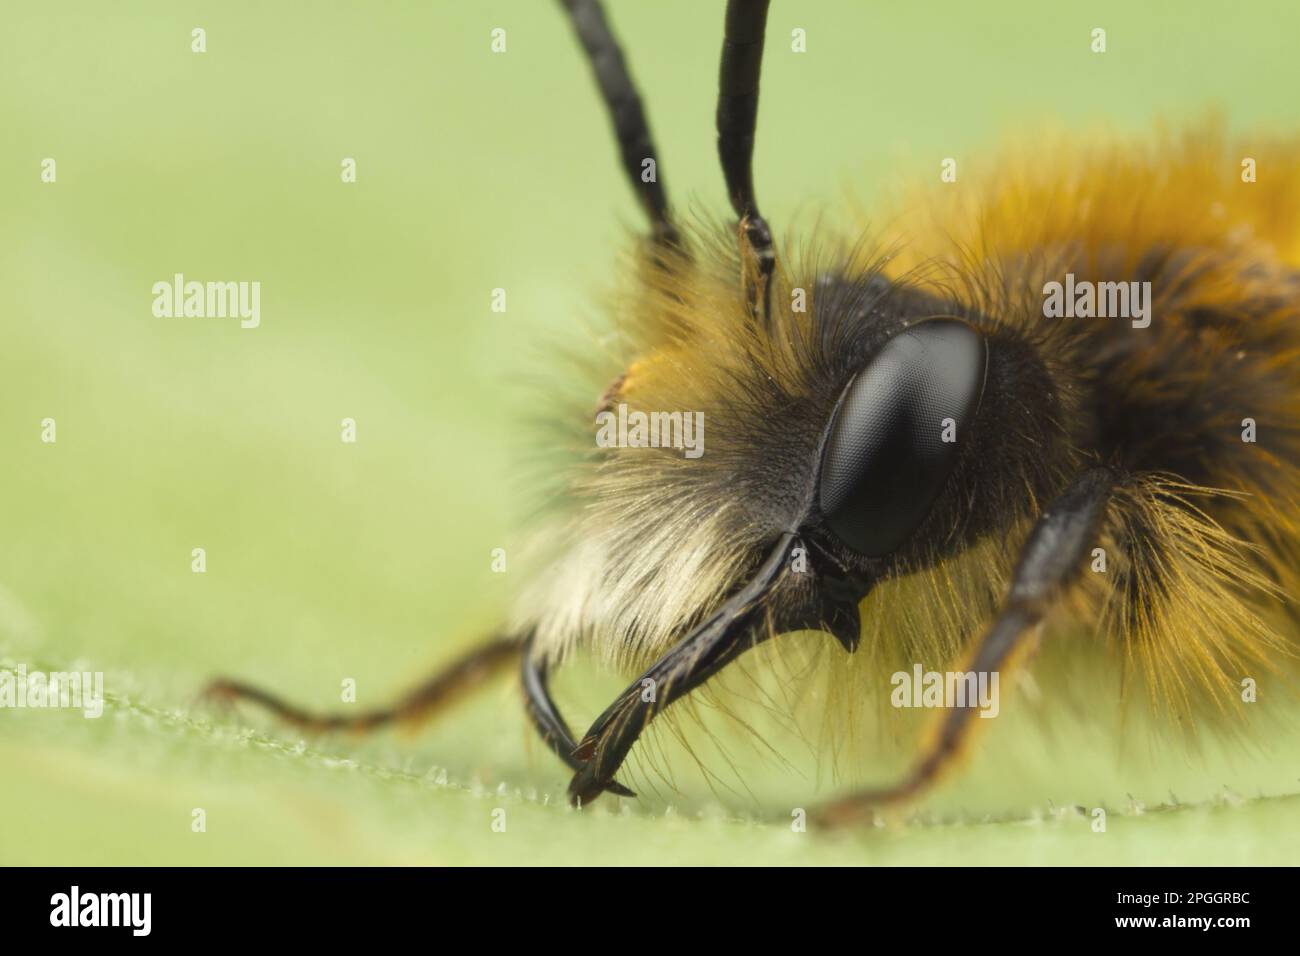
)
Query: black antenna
[
  {"x": 625, "y": 110},
  {"x": 742, "y": 61}
]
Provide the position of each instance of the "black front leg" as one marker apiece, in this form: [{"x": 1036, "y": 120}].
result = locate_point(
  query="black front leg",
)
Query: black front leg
[
  {"x": 720, "y": 639},
  {"x": 547, "y": 718}
]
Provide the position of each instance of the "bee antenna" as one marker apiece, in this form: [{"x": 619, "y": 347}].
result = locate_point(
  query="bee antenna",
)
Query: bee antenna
[
  {"x": 625, "y": 111},
  {"x": 737, "y": 118}
]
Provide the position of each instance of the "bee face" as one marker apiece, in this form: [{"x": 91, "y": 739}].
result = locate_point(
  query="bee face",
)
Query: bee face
[{"x": 893, "y": 441}]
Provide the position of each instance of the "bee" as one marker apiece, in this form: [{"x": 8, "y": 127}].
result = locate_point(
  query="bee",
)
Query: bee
[{"x": 1067, "y": 393}]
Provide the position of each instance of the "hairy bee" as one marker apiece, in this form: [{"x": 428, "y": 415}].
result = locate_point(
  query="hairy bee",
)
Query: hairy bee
[{"x": 1094, "y": 360}]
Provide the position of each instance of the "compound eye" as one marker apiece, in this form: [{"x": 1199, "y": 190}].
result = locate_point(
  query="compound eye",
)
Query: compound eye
[{"x": 896, "y": 432}]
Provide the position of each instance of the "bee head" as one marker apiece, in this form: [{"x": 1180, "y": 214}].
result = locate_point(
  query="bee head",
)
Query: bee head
[{"x": 895, "y": 434}]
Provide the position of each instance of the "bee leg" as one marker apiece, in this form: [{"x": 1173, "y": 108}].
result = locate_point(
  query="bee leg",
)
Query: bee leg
[
  {"x": 1050, "y": 559},
  {"x": 720, "y": 639},
  {"x": 737, "y": 118},
  {"x": 625, "y": 111},
  {"x": 547, "y": 718},
  {"x": 447, "y": 685}
]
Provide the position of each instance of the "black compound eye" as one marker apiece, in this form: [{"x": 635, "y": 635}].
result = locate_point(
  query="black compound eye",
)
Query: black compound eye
[{"x": 896, "y": 433}]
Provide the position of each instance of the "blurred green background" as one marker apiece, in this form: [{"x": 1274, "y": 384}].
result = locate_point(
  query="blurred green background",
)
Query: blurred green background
[{"x": 371, "y": 560}]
